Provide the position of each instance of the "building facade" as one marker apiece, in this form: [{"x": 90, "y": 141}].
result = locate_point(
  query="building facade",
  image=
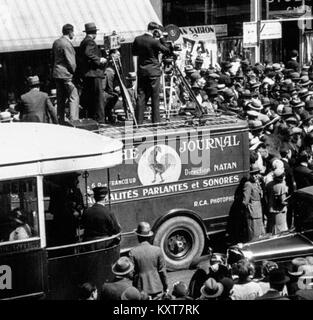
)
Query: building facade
[{"x": 293, "y": 15}]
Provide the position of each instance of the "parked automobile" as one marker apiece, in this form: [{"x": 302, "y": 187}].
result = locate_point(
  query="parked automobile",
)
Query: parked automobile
[{"x": 283, "y": 247}]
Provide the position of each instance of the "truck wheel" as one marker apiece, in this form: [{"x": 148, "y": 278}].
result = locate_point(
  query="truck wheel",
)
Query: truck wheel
[{"x": 181, "y": 239}]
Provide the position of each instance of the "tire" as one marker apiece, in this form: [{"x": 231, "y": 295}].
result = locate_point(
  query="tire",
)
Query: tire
[{"x": 181, "y": 240}]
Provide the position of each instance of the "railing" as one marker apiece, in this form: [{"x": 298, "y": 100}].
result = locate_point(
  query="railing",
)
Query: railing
[{"x": 84, "y": 247}]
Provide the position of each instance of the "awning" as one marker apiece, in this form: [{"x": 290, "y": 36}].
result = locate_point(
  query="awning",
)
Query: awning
[
  {"x": 35, "y": 24},
  {"x": 30, "y": 149}
]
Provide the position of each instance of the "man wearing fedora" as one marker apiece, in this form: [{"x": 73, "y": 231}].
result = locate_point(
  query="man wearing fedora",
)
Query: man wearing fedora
[
  {"x": 91, "y": 69},
  {"x": 302, "y": 173},
  {"x": 35, "y": 105},
  {"x": 252, "y": 201},
  {"x": 99, "y": 221},
  {"x": 150, "y": 269},
  {"x": 122, "y": 269},
  {"x": 64, "y": 67},
  {"x": 146, "y": 51}
]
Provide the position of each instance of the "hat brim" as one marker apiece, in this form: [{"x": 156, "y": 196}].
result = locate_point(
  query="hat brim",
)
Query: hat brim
[
  {"x": 217, "y": 294},
  {"x": 299, "y": 105},
  {"x": 308, "y": 118},
  {"x": 296, "y": 274},
  {"x": 122, "y": 273},
  {"x": 150, "y": 234},
  {"x": 91, "y": 30}
]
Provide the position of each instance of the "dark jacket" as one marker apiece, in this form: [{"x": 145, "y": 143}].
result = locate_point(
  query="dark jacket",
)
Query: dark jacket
[
  {"x": 35, "y": 106},
  {"x": 293, "y": 64},
  {"x": 89, "y": 59},
  {"x": 99, "y": 221},
  {"x": 64, "y": 59},
  {"x": 147, "y": 49},
  {"x": 113, "y": 290},
  {"x": 303, "y": 176},
  {"x": 150, "y": 270},
  {"x": 290, "y": 180}
]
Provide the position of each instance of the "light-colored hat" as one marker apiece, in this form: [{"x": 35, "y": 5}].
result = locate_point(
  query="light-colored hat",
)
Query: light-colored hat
[
  {"x": 33, "y": 80},
  {"x": 122, "y": 266},
  {"x": 5, "y": 116},
  {"x": 211, "y": 288}
]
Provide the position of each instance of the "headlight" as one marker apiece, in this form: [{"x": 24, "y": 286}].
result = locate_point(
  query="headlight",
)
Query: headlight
[{"x": 247, "y": 254}]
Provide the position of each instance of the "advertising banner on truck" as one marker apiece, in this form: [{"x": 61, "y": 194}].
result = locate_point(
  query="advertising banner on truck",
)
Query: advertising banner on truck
[{"x": 188, "y": 169}]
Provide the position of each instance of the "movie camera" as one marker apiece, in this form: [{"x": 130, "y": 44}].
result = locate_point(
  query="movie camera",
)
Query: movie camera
[
  {"x": 169, "y": 35},
  {"x": 112, "y": 42}
]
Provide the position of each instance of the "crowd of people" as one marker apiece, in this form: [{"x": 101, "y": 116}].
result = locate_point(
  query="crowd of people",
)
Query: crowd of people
[
  {"x": 212, "y": 280},
  {"x": 277, "y": 102}
]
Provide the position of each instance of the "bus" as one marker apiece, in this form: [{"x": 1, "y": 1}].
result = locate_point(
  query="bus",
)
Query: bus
[
  {"x": 181, "y": 177},
  {"x": 42, "y": 254}
]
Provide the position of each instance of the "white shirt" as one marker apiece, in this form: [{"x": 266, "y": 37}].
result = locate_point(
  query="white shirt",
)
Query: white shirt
[{"x": 247, "y": 291}]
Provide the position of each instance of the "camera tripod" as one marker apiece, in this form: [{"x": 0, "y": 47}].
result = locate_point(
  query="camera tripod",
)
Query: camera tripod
[
  {"x": 130, "y": 113},
  {"x": 174, "y": 77}
]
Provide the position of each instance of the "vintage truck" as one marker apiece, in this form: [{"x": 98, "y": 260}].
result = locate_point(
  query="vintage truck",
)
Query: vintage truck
[{"x": 179, "y": 176}]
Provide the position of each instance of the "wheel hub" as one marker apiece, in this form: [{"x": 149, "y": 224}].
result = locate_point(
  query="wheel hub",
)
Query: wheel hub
[{"x": 178, "y": 244}]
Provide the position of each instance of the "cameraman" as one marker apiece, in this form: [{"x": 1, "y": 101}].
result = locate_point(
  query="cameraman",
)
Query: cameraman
[
  {"x": 146, "y": 49},
  {"x": 110, "y": 87}
]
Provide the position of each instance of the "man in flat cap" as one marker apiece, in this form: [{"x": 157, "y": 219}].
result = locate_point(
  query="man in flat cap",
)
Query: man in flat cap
[
  {"x": 99, "y": 221},
  {"x": 91, "y": 69},
  {"x": 64, "y": 67}
]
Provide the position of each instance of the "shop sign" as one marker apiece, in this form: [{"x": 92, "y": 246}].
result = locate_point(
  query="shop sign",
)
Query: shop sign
[
  {"x": 270, "y": 30},
  {"x": 287, "y": 7},
  {"x": 198, "y": 41},
  {"x": 250, "y": 34}
]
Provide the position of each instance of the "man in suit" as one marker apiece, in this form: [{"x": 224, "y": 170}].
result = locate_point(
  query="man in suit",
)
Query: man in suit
[
  {"x": 302, "y": 173},
  {"x": 99, "y": 221},
  {"x": 286, "y": 155},
  {"x": 277, "y": 280},
  {"x": 64, "y": 66},
  {"x": 293, "y": 63},
  {"x": 150, "y": 269},
  {"x": 91, "y": 69},
  {"x": 122, "y": 269},
  {"x": 35, "y": 105},
  {"x": 146, "y": 51}
]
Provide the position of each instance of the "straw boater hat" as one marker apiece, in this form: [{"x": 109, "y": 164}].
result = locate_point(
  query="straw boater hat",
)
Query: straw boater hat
[{"x": 211, "y": 288}]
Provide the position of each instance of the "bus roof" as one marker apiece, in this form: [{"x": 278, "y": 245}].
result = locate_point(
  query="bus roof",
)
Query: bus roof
[
  {"x": 178, "y": 125},
  {"x": 30, "y": 149}
]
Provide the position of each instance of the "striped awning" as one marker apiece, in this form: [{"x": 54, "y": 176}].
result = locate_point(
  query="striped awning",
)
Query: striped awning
[{"x": 35, "y": 24}]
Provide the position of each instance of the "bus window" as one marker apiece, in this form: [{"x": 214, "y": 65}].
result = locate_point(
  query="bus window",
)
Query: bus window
[
  {"x": 18, "y": 210},
  {"x": 63, "y": 209}
]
